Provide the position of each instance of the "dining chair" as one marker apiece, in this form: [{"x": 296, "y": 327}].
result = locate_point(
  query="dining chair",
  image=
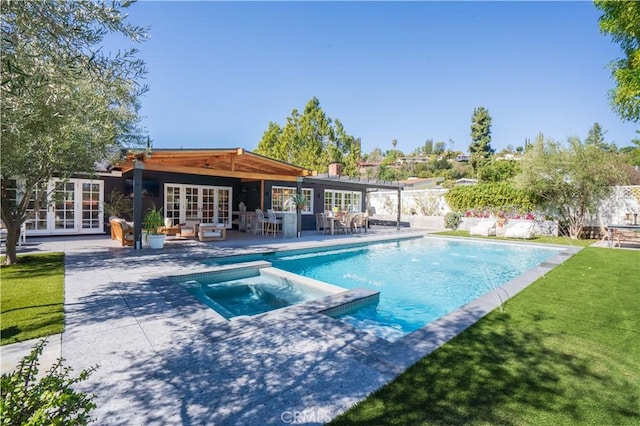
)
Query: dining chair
[
  {"x": 273, "y": 223},
  {"x": 260, "y": 221}
]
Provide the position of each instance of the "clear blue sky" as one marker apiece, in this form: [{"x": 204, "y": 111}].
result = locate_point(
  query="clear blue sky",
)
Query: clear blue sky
[{"x": 220, "y": 72}]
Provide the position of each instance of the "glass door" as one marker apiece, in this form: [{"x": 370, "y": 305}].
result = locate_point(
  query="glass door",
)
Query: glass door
[
  {"x": 172, "y": 203},
  {"x": 198, "y": 202},
  {"x": 224, "y": 207},
  {"x": 72, "y": 206},
  {"x": 192, "y": 203},
  {"x": 208, "y": 205},
  {"x": 91, "y": 202}
]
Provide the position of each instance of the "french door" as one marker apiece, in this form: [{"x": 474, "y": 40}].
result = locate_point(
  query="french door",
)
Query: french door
[
  {"x": 73, "y": 206},
  {"x": 198, "y": 202}
]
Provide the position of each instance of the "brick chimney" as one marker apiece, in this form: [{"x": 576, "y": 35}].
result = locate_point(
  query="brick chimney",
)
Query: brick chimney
[{"x": 335, "y": 169}]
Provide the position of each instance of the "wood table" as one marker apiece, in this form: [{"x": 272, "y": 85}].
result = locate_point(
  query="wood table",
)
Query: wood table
[
  {"x": 622, "y": 227},
  {"x": 170, "y": 231}
]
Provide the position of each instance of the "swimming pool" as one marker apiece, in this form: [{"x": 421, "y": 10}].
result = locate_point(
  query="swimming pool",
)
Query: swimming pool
[{"x": 419, "y": 280}]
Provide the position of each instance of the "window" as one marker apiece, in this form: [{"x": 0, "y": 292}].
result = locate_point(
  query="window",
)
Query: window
[
  {"x": 282, "y": 199},
  {"x": 350, "y": 201}
]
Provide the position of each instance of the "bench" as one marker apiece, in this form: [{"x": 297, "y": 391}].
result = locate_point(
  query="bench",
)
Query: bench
[{"x": 624, "y": 236}]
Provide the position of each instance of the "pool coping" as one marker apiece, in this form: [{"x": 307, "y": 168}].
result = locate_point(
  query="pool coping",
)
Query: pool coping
[{"x": 385, "y": 356}]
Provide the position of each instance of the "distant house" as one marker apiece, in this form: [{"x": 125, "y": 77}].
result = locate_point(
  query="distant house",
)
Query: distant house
[
  {"x": 422, "y": 183},
  {"x": 463, "y": 157}
]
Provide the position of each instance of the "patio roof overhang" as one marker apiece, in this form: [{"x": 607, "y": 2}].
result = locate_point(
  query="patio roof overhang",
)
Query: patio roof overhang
[{"x": 234, "y": 162}]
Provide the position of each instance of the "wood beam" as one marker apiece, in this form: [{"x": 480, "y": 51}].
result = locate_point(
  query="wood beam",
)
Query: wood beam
[{"x": 214, "y": 172}]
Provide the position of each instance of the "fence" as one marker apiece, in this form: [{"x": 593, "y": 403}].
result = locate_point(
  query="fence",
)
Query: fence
[{"x": 425, "y": 208}]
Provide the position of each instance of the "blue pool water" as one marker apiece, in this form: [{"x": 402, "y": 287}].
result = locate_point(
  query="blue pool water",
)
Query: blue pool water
[
  {"x": 419, "y": 280},
  {"x": 250, "y": 295}
]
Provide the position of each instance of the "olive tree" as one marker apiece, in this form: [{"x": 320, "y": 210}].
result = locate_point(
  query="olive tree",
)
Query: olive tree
[
  {"x": 66, "y": 104},
  {"x": 569, "y": 181}
]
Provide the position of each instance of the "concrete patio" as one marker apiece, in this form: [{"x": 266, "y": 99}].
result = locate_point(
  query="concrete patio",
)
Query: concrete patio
[{"x": 166, "y": 359}]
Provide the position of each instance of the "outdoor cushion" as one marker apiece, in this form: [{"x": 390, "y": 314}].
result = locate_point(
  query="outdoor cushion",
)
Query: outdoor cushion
[
  {"x": 520, "y": 230},
  {"x": 484, "y": 228}
]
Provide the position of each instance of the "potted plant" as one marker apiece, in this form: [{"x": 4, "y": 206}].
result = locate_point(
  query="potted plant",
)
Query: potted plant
[
  {"x": 300, "y": 201},
  {"x": 119, "y": 205},
  {"x": 153, "y": 220}
]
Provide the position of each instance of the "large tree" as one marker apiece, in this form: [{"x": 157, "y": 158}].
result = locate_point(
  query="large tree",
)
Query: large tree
[
  {"x": 311, "y": 140},
  {"x": 621, "y": 20},
  {"x": 571, "y": 180},
  {"x": 480, "y": 148},
  {"x": 66, "y": 104}
]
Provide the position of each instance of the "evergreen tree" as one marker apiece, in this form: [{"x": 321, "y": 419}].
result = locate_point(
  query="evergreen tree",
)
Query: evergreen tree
[
  {"x": 311, "y": 140},
  {"x": 596, "y": 135},
  {"x": 480, "y": 148}
]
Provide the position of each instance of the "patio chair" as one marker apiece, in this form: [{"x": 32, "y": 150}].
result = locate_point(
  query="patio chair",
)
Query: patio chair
[
  {"x": 484, "y": 228},
  {"x": 259, "y": 222},
  {"x": 190, "y": 228},
  {"x": 359, "y": 222},
  {"x": 343, "y": 224},
  {"x": 272, "y": 222},
  {"x": 322, "y": 224},
  {"x": 523, "y": 230},
  {"x": 121, "y": 231},
  {"x": 212, "y": 232}
]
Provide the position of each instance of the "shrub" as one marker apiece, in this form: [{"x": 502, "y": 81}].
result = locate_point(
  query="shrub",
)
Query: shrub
[
  {"x": 491, "y": 197},
  {"x": 27, "y": 400},
  {"x": 452, "y": 220}
]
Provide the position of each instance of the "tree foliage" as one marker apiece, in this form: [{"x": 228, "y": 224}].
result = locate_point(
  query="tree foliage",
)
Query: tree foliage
[
  {"x": 498, "y": 171},
  {"x": 569, "y": 182},
  {"x": 621, "y": 20},
  {"x": 311, "y": 140},
  {"x": 66, "y": 104},
  {"x": 480, "y": 148}
]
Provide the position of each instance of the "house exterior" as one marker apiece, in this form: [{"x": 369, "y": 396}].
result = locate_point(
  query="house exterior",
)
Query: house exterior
[{"x": 209, "y": 185}]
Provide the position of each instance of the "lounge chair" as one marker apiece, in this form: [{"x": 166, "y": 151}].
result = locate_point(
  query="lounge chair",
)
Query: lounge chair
[
  {"x": 212, "y": 232},
  {"x": 121, "y": 231},
  {"x": 190, "y": 228},
  {"x": 524, "y": 230},
  {"x": 484, "y": 228}
]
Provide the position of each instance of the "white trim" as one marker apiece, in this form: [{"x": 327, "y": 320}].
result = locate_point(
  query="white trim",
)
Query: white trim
[
  {"x": 309, "y": 211},
  {"x": 199, "y": 192}
]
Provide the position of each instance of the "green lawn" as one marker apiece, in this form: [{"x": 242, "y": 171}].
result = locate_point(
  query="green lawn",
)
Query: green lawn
[
  {"x": 566, "y": 351},
  {"x": 547, "y": 240},
  {"x": 31, "y": 297}
]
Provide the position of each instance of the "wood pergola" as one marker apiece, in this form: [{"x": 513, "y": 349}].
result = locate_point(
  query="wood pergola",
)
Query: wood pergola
[{"x": 234, "y": 163}]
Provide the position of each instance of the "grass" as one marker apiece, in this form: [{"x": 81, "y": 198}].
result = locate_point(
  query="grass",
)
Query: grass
[
  {"x": 546, "y": 240},
  {"x": 31, "y": 297},
  {"x": 565, "y": 351}
]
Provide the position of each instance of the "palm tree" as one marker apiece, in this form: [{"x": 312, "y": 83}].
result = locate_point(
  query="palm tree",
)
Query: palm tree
[{"x": 394, "y": 143}]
